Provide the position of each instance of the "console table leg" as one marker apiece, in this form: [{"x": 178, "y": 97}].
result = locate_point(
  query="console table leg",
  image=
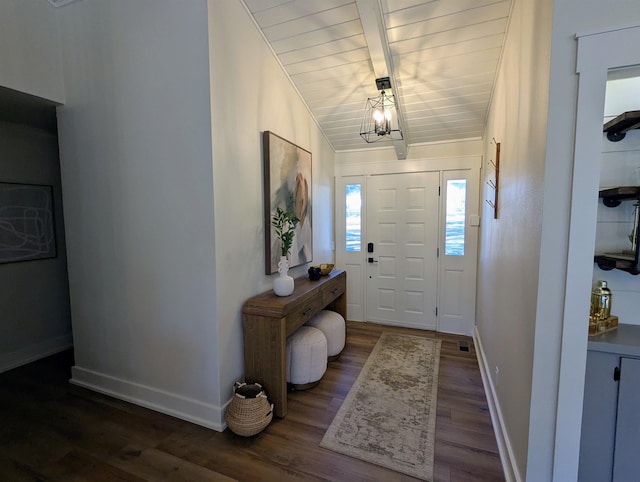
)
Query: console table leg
[{"x": 264, "y": 358}]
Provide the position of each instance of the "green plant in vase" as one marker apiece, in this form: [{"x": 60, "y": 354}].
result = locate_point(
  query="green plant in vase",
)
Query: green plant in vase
[{"x": 284, "y": 223}]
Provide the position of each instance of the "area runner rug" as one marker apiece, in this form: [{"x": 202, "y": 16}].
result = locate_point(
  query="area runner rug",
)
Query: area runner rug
[{"x": 389, "y": 416}]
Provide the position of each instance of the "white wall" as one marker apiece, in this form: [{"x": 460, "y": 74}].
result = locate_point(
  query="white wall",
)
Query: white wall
[
  {"x": 560, "y": 344},
  {"x": 34, "y": 299},
  {"x": 163, "y": 192},
  {"x": 135, "y": 144},
  {"x": 543, "y": 436},
  {"x": 250, "y": 94},
  {"x": 30, "y": 53},
  {"x": 510, "y": 245}
]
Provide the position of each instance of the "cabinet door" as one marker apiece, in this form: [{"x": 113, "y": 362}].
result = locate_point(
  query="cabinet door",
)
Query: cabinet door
[
  {"x": 598, "y": 418},
  {"x": 626, "y": 462}
]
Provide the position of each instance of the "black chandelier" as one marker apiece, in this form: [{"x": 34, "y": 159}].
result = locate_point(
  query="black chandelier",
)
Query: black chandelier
[{"x": 380, "y": 119}]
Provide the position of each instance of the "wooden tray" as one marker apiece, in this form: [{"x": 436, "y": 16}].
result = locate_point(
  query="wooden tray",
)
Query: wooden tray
[{"x": 611, "y": 324}]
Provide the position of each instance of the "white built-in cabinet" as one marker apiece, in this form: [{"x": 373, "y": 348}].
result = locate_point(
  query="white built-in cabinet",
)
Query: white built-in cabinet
[{"x": 611, "y": 411}]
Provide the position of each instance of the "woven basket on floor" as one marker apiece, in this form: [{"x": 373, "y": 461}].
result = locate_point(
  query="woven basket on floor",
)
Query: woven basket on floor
[{"x": 249, "y": 412}]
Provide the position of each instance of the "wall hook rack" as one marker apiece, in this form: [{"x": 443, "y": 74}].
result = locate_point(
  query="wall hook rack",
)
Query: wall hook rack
[{"x": 494, "y": 181}]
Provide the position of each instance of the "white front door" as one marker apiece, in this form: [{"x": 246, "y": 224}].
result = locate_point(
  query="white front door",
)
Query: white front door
[{"x": 401, "y": 251}]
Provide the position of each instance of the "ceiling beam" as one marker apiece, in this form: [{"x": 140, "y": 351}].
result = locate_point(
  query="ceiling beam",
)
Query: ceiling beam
[
  {"x": 371, "y": 20},
  {"x": 381, "y": 60}
]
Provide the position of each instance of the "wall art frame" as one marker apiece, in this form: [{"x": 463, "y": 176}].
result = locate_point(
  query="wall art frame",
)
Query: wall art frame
[
  {"x": 287, "y": 184},
  {"x": 27, "y": 225}
]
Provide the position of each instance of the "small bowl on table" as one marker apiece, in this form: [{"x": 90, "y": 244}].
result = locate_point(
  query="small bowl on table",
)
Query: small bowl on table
[{"x": 325, "y": 269}]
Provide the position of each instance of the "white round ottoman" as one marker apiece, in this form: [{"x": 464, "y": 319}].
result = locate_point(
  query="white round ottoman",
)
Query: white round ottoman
[
  {"x": 306, "y": 357},
  {"x": 333, "y": 326}
]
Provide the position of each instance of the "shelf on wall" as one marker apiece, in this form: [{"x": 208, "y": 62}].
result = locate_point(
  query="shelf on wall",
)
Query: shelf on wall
[
  {"x": 608, "y": 262},
  {"x": 614, "y": 196},
  {"x": 626, "y": 261},
  {"x": 617, "y": 128}
]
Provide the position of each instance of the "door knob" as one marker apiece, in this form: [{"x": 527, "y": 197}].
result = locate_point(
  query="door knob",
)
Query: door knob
[{"x": 371, "y": 260}]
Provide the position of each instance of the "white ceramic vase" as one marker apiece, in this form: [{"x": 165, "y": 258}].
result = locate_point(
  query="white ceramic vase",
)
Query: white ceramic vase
[{"x": 283, "y": 284}]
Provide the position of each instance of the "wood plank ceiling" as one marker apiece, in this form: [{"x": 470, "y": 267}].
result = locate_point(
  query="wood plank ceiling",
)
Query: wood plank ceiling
[{"x": 442, "y": 57}]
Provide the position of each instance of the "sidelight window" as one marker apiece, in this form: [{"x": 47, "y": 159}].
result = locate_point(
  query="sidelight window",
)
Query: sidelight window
[
  {"x": 455, "y": 217},
  {"x": 353, "y": 215}
]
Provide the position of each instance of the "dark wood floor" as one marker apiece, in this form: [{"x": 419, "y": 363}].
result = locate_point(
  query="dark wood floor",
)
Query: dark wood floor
[{"x": 52, "y": 430}]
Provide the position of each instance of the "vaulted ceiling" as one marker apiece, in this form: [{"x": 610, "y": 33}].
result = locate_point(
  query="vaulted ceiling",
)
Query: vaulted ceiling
[{"x": 441, "y": 56}]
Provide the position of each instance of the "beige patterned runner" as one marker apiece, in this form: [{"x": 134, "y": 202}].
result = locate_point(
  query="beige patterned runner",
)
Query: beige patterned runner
[{"x": 389, "y": 416}]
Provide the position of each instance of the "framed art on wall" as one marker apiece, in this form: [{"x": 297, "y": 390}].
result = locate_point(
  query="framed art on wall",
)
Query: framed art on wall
[
  {"x": 287, "y": 185},
  {"x": 26, "y": 222}
]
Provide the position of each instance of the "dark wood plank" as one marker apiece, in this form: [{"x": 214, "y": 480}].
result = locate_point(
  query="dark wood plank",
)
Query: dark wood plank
[{"x": 52, "y": 430}]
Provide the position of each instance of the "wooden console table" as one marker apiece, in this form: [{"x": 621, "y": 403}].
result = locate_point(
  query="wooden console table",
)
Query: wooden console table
[{"x": 268, "y": 319}]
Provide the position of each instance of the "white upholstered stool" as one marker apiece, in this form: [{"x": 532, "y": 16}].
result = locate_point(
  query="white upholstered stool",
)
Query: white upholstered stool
[
  {"x": 333, "y": 326},
  {"x": 306, "y": 357}
]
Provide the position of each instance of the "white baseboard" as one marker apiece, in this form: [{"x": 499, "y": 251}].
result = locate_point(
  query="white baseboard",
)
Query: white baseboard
[
  {"x": 36, "y": 351},
  {"x": 200, "y": 413},
  {"x": 507, "y": 458}
]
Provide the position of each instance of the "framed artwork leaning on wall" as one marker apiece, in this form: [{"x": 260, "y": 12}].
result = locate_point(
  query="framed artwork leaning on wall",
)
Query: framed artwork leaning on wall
[
  {"x": 26, "y": 222},
  {"x": 287, "y": 185}
]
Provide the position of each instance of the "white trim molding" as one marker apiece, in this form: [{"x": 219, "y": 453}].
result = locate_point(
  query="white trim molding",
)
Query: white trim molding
[
  {"x": 507, "y": 457},
  {"x": 195, "y": 411},
  {"x": 35, "y": 352}
]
